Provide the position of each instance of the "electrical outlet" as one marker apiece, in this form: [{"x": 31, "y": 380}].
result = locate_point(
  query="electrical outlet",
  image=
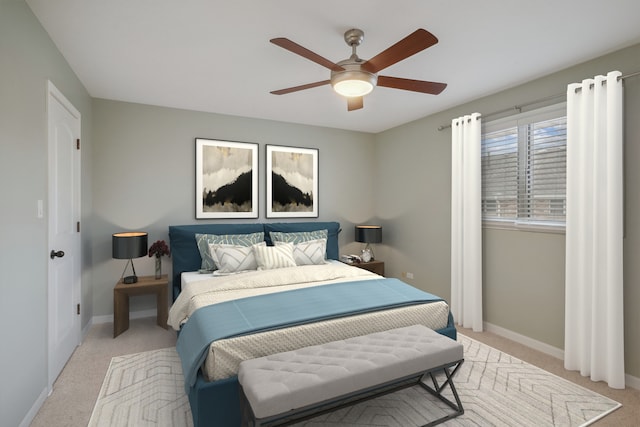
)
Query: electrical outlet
[{"x": 409, "y": 275}]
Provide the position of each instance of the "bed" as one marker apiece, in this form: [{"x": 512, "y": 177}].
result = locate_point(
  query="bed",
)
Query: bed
[{"x": 229, "y": 316}]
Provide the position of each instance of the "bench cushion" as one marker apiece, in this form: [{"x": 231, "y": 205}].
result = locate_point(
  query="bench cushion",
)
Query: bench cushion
[{"x": 281, "y": 382}]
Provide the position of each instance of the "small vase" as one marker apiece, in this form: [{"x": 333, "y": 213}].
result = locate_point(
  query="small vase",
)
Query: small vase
[{"x": 158, "y": 267}]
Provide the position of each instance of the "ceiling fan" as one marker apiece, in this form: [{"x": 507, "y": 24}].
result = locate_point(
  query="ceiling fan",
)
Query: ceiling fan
[{"x": 355, "y": 77}]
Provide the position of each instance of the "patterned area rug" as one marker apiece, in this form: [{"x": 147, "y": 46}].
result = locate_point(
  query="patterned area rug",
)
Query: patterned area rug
[{"x": 496, "y": 389}]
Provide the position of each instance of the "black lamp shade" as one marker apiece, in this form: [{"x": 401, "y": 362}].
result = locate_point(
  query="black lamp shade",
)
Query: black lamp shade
[
  {"x": 127, "y": 245},
  {"x": 369, "y": 233}
]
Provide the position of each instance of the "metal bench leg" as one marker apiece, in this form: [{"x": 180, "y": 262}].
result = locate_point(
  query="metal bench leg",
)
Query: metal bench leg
[{"x": 437, "y": 390}]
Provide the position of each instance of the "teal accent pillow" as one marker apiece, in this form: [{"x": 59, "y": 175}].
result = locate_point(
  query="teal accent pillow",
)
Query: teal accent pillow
[
  {"x": 298, "y": 236},
  {"x": 332, "y": 227},
  {"x": 204, "y": 240}
]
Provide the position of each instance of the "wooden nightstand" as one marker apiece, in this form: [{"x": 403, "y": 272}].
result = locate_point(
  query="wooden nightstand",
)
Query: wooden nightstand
[
  {"x": 145, "y": 285},
  {"x": 373, "y": 266}
]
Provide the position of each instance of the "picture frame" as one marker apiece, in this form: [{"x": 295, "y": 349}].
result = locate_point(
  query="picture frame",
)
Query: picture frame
[
  {"x": 226, "y": 179},
  {"x": 292, "y": 182}
]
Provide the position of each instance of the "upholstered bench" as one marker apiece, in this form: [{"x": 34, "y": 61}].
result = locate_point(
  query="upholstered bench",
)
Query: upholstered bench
[{"x": 291, "y": 386}]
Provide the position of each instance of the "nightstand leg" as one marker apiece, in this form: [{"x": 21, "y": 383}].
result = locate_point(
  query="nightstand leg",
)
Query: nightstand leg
[
  {"x": 162, "y": 305},
  {"x": 120, "y": 312}
]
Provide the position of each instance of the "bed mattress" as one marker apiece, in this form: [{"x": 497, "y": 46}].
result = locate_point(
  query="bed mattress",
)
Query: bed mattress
[{"x": 224, "y": 356}]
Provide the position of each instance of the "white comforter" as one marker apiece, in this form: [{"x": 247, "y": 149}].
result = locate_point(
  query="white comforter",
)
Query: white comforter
[{"x": 224, "y": 288}]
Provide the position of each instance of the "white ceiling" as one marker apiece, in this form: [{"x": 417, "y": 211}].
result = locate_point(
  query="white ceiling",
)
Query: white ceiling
[{"x": 215, "y": 56}]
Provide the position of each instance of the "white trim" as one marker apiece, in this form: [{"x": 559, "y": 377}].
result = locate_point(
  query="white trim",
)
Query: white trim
[
  {"x": 540, "y": 227},
  {"x": 28, "y": 418},
  {"x": 85, "y": 330},
  {"x": 524, "y": 340},
  {"x": 630, "y": 380}
]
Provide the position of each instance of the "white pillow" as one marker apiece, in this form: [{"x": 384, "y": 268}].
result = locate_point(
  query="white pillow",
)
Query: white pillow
[
  {"x": 270, "y": 257},
  {"x": 311, "y": 252},
  {"x": 233, "y": 258}
]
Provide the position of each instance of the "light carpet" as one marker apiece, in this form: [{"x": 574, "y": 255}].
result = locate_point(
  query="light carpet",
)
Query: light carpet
[{"x": 496, "y": 389}]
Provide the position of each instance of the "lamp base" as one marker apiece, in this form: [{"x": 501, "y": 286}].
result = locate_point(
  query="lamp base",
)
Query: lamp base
[
  {"x": 367, "y": 254},
  {"x": 130, "y": 279}
]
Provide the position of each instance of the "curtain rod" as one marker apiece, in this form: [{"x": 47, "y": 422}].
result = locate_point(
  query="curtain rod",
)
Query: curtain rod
[{"x": 519, "y": 107}]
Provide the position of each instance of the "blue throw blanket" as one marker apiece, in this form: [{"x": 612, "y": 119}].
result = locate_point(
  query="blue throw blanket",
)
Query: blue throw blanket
[{"x": 283, "y": 309}]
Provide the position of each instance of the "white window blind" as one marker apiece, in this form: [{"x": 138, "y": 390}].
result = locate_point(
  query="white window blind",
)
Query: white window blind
[{"x": 524, "y": 168}]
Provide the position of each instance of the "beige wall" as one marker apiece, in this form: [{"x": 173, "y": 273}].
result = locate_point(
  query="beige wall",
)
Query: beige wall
[
  {"x": 144, "y": 177},
  {"x": 414, "y": 202}
]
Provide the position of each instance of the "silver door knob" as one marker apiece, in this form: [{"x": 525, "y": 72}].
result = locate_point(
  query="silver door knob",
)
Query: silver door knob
[{"x": 58, "y": 254}]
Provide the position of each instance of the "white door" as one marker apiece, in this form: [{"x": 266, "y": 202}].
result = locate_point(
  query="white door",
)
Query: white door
[{"x": 64, "y": 230}]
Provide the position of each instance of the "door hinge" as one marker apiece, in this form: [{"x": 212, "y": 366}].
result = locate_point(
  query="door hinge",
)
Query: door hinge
[
  {"x": 78, "y": 226},
  {"x": 78, "y": 309},
  {"x": 78, "y": 144}
]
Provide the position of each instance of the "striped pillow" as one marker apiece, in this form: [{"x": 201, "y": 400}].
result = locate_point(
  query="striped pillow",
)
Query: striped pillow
[
  {"x": 271, "y": 257},
  {"x": 311, "y": 252}
]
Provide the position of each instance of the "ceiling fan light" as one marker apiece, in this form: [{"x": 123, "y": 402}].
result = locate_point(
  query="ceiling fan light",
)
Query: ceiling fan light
[
  {"x": 352, "y": 88},
  {"x": 353, "y": 83}
]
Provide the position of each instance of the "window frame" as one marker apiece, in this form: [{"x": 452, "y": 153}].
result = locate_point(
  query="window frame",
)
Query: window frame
[{"x": 537, "y": 115}]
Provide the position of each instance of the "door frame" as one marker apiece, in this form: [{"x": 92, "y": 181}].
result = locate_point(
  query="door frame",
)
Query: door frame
[{"x": 54, "y": 95}]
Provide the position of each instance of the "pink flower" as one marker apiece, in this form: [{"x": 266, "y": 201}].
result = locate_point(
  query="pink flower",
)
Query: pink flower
[{"x": 159, "y": 248}]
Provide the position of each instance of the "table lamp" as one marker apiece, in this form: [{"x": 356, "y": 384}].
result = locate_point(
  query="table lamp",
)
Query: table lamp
[
  {"x": 368, "y": 234},
  {"x": 128, "y": 245}
]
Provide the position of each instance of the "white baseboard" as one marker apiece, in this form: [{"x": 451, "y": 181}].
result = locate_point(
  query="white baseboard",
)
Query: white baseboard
[
  {"x": 633, "y": 382},
  {"x": 26, "y": 421},
  {"x": 133, "y": 315},
  {"x": 524, "y": 340},
  {"x": 85, "y": 330},
  {"x": 630, "y": 381}
]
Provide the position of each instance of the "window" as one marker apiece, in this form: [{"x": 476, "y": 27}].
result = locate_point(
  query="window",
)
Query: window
[{"x": 524, "y": 169}]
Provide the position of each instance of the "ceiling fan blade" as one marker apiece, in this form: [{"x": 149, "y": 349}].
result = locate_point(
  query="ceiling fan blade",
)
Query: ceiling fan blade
[
  {"x": 355, "y": 103},
  {"x": 305, "y": 53},
  {"x": 415, "y": 42},
  {"x": 301, "y": 87},
  {"x": 422, "y": 86}
]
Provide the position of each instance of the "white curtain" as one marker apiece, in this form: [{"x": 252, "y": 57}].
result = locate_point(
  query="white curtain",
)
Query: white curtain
[
  {"x": 594, "y": 335},
  {"x": 466, "y": 222}
]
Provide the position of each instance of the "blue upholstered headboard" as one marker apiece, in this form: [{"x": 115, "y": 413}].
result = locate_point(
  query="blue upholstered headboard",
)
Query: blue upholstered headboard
[{"x": 186, "y": 257}]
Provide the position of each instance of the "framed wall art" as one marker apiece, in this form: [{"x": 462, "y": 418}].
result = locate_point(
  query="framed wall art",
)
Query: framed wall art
[
  {"x": 226, "y": 179},
  {"x": 292, "y": 182}
]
